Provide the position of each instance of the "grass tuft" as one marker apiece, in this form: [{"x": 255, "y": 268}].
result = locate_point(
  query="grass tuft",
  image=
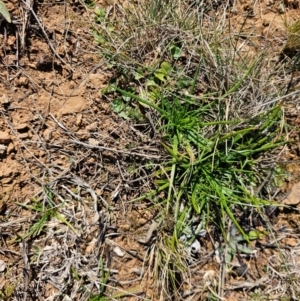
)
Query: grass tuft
[
  {"x": 293, "y": 42},
  {"x": 210, "y": 106}
]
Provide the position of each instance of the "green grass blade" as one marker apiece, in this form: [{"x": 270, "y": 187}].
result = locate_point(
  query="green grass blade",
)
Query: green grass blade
[{"x": 4, "y": 12}]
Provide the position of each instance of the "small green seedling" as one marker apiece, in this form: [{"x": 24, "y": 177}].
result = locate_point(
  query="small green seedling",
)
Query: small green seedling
[
  {"x": 163, "y": 72},
  {"x": 175, "y": 52},
  {"x": 100, "y": 14}
]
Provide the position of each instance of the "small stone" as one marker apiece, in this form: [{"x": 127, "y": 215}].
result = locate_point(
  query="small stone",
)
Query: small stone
[
  {"x": 242, "y": 270},
  {"x": 84, "y": 135},
  {"x": 93, "y": 126},
  {"x": 4, "y": 138},
  {"x": 138, "y": 271},
  {"x": 125, "y": 227},
  {"x": 119, "y": 252},
  {"x": 294, "y": 197},
  {"x": 291, "y": 242},
  {"x": 47, "y": 134},
  {"x": 24, "y": 136},
  {"x": 10, "y": 6},
  {"x": 94, "y": 142},
  {"x": 10, "y": 148},
  {"x": 21, "y": 126},
  {"x": 78, "y": 119},
  {"x": 2, "y": 266},
  {"x": 90, "y": 247},
  {"x": 23, "y": 81},
  {"x": 11, "y": 41},
  {"x": 195, "y": 247},
  {"x": 4, "y": 99},
  {"x": 2, "y": 149}
]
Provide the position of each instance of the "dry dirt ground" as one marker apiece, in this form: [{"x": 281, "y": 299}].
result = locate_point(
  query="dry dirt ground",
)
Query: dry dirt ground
[{"x": 66, "y": 160}]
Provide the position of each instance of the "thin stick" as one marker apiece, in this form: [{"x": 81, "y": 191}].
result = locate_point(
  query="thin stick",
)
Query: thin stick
[
  {"x": 113, "y": 150},
  {"x": 278, "y": 98}
]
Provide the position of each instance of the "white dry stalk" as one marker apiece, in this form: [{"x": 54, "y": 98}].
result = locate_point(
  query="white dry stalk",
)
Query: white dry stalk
[
  {"x": 280, "y": 98},
  {"x": 247, "y": 285},
  {"x": 113, "y": 150},
  {"x": 29, "y": 5}
]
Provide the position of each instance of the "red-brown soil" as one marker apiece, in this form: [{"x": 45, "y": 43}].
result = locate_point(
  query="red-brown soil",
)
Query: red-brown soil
[{"x": 53, "y": 117}]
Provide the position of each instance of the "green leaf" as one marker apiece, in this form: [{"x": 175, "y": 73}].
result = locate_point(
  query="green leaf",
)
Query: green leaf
[
  {"x": 100, "y": 12},
  {"x": 253, "y": 235},
  {"x": 75, "y": 274},
  {"x": 150, "y": 95},
  {"x": 61, "y": 218},
  {"x": 184, "y": 82},
  {"x": 126, "y": 98},
  {"x": 160, "y": 75},
  {"x": 4, "y": 12},
  {"x": 151, "y": 82},
  {"x": 124, "y": 115},
  {"x": 163, "y": 71},
  {"x": 99, "y": 39},
  {"x": 138, "y": 75},
  {"x": 30, "y": 207},
  {"x": 166, "y": 67},
  {"x": 117, "y": 105},
  {"x": 245, "y": 249},
  {"x": 175, "y": 51},
  {"x": 109, "y": 89},
  {"x": 229, "y": 255},
  {"x": 141, "y": 100}
]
